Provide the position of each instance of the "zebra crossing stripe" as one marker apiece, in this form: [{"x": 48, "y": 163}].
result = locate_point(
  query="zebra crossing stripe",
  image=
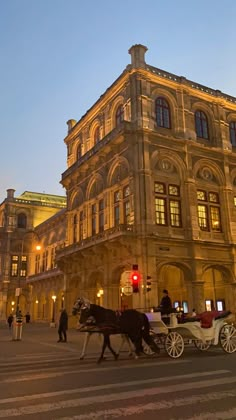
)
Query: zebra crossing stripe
[
  {"x": 164, "y": 405},
  {"x": 32, "y": 377},
  {"x": 122, "y": 396},
  {"x": 111, "y": 386}
]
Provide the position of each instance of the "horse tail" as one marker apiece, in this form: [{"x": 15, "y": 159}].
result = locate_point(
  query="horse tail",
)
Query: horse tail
[{"x": 146, "y": 334}]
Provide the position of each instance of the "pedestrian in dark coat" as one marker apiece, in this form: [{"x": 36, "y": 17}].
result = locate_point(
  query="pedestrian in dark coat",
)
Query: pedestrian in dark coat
[
  {"x": 63, "y": 326},
  {"x": 10, "y": 321},
  {"x": 166, "y": 304}
]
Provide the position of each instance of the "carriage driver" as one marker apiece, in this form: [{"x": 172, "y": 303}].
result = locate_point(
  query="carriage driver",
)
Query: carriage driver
[{"x": 166, "y": 304}]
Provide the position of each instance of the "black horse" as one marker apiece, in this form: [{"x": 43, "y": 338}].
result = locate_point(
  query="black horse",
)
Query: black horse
[{"x": 130, "y": 322}]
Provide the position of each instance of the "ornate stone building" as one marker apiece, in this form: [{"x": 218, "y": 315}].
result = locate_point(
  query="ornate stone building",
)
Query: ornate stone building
[
  {"x": 151, "y": 180},
  {"x": 19, "y": 218}
]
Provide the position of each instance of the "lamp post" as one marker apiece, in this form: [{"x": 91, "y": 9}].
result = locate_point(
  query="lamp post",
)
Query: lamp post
[
  {"x": 22, "y": 267},
  {"x": 53, "y": 310}
]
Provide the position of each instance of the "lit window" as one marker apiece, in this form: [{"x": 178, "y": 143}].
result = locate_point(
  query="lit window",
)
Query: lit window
[
  {"x": 14, "y": 265},
  {"x": 201, "y": 125},
  {"x": 167, "y": 209},
  {"x": 202, "y": 217},
  {"x": 208, "y": 213},
  {"x": 162, "y": 113}
]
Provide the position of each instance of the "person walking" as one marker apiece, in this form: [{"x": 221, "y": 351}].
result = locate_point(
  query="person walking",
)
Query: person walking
[
  {"x": 63, "y": 326},
  {"x": 10, "y": 321},
  {"x": 27, "y": 318}
]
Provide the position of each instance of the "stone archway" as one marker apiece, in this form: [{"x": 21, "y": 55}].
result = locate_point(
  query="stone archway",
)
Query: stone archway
[
  {"x": 176, "y": 278},
  {"x": 95, "y": 287},
  {"x": 217, "y": 287}
]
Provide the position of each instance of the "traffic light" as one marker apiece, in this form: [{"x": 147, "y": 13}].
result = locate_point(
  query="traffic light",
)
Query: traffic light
[
  {"x": 149, "y": 284},
  {"x": 135, "y": 278}
]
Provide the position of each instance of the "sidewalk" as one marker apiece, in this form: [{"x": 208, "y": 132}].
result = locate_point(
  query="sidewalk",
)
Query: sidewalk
[{"x": 40, "y": 338}]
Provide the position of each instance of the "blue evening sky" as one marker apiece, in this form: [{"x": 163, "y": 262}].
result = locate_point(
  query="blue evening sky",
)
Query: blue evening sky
[{"x": 59, "y": 56}]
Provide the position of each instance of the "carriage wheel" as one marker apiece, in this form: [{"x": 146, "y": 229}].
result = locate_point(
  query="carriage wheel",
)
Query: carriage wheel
[
  {"x": 174, "y": 344},
  {"x": 201, "y": 346},
  {"x": 227, "y": 337}
]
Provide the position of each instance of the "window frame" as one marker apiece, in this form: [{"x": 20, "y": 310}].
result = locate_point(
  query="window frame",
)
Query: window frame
[
  {"x": 201, "y": 124},
  {"x": 162, "y": 112},
  {"x": 164, "y": 216},
  {"x": 119, "y": 116},
  {"x": 232, "y": 133},
  {"x": 210, "y": 206}
]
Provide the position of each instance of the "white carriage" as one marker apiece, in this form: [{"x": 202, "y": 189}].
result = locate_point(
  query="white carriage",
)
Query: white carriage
[{"x": 176, "y": 335}]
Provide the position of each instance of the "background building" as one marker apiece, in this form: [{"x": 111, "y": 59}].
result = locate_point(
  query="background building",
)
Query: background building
[{"x": 19, "y": 217}]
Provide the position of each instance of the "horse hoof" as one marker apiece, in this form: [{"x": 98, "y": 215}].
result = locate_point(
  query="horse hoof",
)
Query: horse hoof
[
  {"x": 81, "y": 358},
  {"x": 99, "y": 360},
  {"x": 116, "y": 356},
  {"x": 130, "y": 354}
]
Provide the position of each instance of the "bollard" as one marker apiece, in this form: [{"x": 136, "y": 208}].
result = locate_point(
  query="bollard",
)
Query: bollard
[{"x": 17, "y": 328}]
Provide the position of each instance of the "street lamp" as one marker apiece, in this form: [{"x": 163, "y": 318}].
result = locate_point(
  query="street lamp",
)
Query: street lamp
[
  {"x": 22, "y": 266},
  {"x": 53, "y": 308}
]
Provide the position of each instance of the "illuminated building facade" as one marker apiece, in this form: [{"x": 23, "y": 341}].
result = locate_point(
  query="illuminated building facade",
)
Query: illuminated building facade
[
  {"x": 19, "y": 218},
  {"x": 151, "y": 180}
]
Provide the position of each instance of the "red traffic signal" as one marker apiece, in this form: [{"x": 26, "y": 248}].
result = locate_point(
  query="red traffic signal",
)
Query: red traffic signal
[{"x": 135, "y": 278}]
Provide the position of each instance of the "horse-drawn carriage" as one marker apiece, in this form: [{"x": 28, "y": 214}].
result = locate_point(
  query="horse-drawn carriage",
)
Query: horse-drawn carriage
[
  {"x": 150, "y": 328},
  {"x": 175, "y": 336}
]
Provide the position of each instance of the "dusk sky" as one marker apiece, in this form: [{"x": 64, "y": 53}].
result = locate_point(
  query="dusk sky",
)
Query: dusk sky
[{"x": 59, "y": 56}]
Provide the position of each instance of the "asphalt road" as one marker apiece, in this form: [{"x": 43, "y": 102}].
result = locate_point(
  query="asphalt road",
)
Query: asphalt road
[{"x": 43, "y": 379}]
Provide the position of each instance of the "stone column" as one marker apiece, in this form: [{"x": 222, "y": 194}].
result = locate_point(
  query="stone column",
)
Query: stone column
[{"x": 198, "y": 296}]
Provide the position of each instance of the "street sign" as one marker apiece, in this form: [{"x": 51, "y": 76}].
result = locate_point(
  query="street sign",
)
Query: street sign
[
  {"x": 127, "y": 290},
  {"x": 18, "y": 291},
  {"x": 125, "y": 279}
]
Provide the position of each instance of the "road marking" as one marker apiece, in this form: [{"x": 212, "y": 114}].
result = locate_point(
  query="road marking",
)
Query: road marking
[
  {"x": 112, "y": 385},
  {"x": 88, "y": 370},
  {"x": 163, "y": 405},
  {"x": 108, "y": 398},
  {"x": 219, "y": 415}
]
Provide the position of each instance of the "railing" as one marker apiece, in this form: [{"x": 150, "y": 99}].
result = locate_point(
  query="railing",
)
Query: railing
[
  {"x": 115, "y": 231},
  {"x": 198, "y": 86},
  {"x": 125, "y": 125}
]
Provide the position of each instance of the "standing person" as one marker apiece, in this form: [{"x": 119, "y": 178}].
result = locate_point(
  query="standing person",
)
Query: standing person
[
  {"x": 27, "y": 318},
  {"x": 10, "y": 321},
  {"x": 166, "y": 304},
  {"x": 63, "y": 326}
]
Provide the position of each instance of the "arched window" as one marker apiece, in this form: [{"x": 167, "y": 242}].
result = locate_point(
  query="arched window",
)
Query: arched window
[
  {"x": 232, "y": 130},
  {"x": 79, "y": 151},
  {"x": 162, "y": 113},
  {"x": 119, "y": 115},
  {"x": 96, "y": 135},
  {"x": 21, "y": 221},
  {"x": 75, "y": 228},
  {"x": 201, "y": 125}
]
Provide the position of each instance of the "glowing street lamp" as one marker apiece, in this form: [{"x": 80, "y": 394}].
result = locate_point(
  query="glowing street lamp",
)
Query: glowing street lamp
[{"x": 53, "y": 308}]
